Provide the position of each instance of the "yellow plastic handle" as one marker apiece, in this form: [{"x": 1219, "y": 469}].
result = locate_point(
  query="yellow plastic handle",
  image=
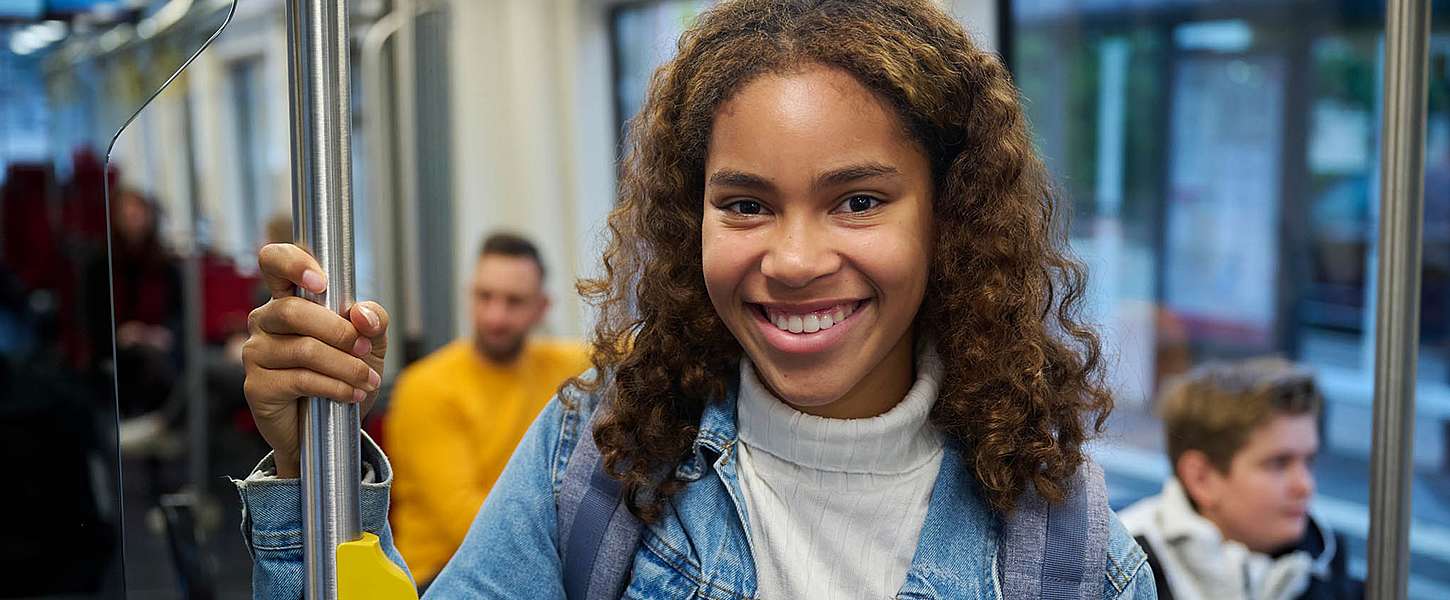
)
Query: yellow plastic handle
[{"x": 365, "y": 573}]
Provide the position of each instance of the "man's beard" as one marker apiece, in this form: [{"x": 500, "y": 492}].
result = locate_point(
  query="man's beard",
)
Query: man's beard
[{"x": 500, "y": 353}]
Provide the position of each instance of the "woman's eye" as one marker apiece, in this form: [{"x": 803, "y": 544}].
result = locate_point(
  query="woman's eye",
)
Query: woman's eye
[
  {"x": 745, "y": 207},
  {"x": 861, "y": 203}
]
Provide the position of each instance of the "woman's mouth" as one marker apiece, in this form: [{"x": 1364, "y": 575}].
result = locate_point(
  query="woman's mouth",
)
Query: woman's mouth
[
  {"x": 809, "y": 321},
  {"x": 807, "y": 328}
]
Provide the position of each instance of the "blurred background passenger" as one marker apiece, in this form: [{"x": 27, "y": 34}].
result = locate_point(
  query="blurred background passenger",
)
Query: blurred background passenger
[
  {"x": 456, "y": 414},
  {"x": 146, "y": 299},
  {"x": 1234, "y": 521}
]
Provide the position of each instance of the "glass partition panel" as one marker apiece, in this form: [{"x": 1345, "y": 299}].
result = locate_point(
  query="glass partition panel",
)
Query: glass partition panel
[
  {"x": 170, "y": 313},
  {"x": 1221, "y": 162},
  {"x": 57, "y": 402},
  {"x": 74, "y": 72}
]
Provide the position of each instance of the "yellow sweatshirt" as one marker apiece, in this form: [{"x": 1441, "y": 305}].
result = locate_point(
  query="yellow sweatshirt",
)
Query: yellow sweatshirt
[{"x": 452, "y": 425}]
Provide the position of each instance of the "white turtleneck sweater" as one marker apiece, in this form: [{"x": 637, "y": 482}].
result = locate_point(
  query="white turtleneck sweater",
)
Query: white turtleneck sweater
[{"x": 836, "y": 505}]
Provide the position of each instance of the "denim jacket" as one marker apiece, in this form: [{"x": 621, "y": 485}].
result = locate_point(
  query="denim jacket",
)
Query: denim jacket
[{"x": 699, "y": 548}]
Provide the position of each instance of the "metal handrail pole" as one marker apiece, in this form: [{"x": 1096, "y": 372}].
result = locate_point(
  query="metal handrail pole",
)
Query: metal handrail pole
[
  {"x": 388, "y": 199},
  {"x": 405, "y": 71},
  {"x": 1402, "y": 178},
  {"x": 379, "y": 131},
  {"x": 317, "y": 46}
]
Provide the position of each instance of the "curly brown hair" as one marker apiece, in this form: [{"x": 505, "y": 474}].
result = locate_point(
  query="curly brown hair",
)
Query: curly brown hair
[{"x": 1021, "y": 370}]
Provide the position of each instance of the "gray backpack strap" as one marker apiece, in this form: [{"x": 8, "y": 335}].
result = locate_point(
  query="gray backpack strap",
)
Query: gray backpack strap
[
  {"x": 1058, "y": 552},
  {"x": 597, "y": 533}
]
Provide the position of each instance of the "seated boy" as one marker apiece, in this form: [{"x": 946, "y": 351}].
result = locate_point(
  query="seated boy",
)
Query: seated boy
[{"x": 1234, "y": 520}]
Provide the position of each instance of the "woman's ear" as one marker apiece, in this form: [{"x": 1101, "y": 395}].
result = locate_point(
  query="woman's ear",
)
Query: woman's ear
[{"x": 1200, "y": 478}]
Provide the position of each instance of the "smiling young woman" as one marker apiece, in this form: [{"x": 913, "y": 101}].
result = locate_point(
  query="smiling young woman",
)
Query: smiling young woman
[
  {"x": 919, "y": 180},
  {"x": 818, "y": 207},
  {"x": 837, "y": 342}
]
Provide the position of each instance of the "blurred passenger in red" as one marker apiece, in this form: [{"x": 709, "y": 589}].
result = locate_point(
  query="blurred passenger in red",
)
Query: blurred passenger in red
[
  {"x": 143, "y": 288},
  {"x": 1234, "y": 520},
  {"x": 28, "y": 248},
  {"x": 457, "y": 414}
]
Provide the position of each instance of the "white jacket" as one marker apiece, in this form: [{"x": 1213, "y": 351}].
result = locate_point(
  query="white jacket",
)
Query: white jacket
[{"x": 1199, "y": 564}]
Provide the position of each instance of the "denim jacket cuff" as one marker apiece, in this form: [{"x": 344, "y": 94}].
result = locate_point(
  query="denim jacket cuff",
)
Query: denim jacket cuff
[{"x": 272, "y": 507}]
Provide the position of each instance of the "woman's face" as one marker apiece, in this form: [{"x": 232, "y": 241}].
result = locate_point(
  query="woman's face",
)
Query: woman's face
[
  {"x": 816, "y": 236},
  {"x": 133, "y": 217}
]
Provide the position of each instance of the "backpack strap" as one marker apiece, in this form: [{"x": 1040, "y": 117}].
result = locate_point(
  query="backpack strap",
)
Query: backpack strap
[
  {"x": 1058, "y": 551},
  {"x": 1160, "y": 579},
  {"x": 598, "y": 535}
]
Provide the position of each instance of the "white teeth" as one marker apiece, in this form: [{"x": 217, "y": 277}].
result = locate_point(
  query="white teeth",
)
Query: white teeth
[{"x": 810, "y": 322}]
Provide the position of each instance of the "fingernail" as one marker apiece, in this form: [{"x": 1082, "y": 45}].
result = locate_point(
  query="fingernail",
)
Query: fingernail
[
  {"x": 371, "y": 316},
  {"x": 362, "y": 347},
  {"x": 313, "y": 281},
  {"x": 358, "y": 395},
  {"x": 374, "y": 380}
]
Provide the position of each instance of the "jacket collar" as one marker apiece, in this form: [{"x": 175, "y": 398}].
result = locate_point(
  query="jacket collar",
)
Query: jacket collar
[
  {"x": 1179, "y": 519},
  {"x": 1181, "y": 523},
  {"x": 717, "y": 431},
  {"x": 960, "y": 531}
]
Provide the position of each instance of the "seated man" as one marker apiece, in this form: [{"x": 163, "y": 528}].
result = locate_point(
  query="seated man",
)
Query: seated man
[
  {"x": 456, "y": 415},
  {"x": 1234, "y": 520}
]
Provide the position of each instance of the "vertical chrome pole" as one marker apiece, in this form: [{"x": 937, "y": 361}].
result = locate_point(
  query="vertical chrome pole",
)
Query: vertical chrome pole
[
  {"x": 317, "y": 44},
  {"x": 377, "y": 96},
  {"x": 394, "y": 202},
  {"x": 1402, "y": 180},
  {"x": 405, "y": 74}
]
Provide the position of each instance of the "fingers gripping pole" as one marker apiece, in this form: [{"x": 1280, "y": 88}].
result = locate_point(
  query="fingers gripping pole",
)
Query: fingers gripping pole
[{"x": 317, "y": 46}]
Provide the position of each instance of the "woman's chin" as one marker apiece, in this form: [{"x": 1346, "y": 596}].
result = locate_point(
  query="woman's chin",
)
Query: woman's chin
[
  {"x": 809, "y": 402},
  {"x": 807, "y": 388},
  {"x": 807, "y": 398}
]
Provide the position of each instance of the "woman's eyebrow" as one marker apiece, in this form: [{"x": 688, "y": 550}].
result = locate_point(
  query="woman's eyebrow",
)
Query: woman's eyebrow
[
  {"x": 834, "y": 177},
  {"x": 740, "y": 179},
  {"x": 853, "y": 173}
]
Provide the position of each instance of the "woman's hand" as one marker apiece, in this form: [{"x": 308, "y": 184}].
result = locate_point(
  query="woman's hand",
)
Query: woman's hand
[{"x": 300, "y": 349}]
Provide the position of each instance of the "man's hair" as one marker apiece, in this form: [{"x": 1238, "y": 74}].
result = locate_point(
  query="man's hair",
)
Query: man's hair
[
  {"x": 505, "y": 243},
  {"x": 1214, "y": 408}
]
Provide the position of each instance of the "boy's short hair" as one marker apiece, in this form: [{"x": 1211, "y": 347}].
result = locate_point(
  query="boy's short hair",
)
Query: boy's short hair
[
  {"x": 1214, "y": 408},
  {"x": 507, "y": 243}
]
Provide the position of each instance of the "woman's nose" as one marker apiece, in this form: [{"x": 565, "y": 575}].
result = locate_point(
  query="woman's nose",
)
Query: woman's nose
[{"x": 800, "y": 254}]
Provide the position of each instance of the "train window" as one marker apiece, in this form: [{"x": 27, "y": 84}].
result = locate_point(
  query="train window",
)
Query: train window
[
  {"x": 642, "y": 37},
  {"x": 1222, "y": 171},
  {"x": 23, "y": 117}
]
